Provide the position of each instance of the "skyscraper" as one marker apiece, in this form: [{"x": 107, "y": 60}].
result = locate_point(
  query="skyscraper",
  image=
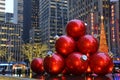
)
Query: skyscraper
[
  {"x": 10, "y": 41},
  {"x": 27, "y": 14},
  {"x": 9, "y": 35},
  {"x": 8, "y": 17},
  {"x": 35, "y": 29},
  {"x": 2, "y": 10},
  {"x": 114, "y": 27},
  {"x": 90, "y": 12},
  {"x": 18, "y": 12},
  {"x": 53, "y": 19}
]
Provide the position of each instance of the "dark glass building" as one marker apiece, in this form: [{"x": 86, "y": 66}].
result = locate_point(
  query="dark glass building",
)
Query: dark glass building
[
  {"x": 31, "y": 21},
  {"x": 27, "y": 12},
  {"x": 35, "y": 29}
]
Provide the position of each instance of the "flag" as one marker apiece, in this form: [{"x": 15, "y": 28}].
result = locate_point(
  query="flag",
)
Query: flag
[{"x": 8, "y": 43}]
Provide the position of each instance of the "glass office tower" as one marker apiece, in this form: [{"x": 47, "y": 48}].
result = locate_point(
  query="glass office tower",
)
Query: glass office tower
[{"x": 53, "y": 19}]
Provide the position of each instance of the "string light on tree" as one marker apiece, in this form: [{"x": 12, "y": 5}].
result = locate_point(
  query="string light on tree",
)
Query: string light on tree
[{"x": 103, "y": 47}]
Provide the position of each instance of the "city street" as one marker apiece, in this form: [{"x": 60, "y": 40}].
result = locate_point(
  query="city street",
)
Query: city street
[{"x": 115, "y": 76}]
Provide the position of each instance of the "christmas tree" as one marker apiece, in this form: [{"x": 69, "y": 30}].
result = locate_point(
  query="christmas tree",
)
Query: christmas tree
[{"x": 103, "y": 47}]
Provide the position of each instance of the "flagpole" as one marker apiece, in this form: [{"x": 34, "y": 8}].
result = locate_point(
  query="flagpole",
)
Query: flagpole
[{"x": 9, "y": 51}]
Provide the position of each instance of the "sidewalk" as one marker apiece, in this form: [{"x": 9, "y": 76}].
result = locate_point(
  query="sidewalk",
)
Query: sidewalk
[{"x": 4, "y": 77}]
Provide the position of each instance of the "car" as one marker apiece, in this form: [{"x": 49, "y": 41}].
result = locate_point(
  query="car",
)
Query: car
[{"x": 116, "y": 68}]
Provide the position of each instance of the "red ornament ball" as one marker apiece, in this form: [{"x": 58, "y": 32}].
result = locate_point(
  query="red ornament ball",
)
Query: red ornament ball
[
  {"x": 54, "y": 64},
  {"x": 88, "y": 45},
  {"x": 37, "y": 65},
  {"x": 65, "y": 45},
  {"x": 77, "y": 63},
  {"x": 75, "y": 28},
  {"x": 101, "y": 63}
]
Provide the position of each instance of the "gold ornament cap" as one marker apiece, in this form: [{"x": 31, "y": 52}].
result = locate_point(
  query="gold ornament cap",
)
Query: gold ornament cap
[{"x": 102, "y": 17}]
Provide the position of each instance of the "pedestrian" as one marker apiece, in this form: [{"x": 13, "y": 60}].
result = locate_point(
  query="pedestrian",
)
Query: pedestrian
[
  {"x": 3, "y": 71},
  {"x": 19, "y": 72}
]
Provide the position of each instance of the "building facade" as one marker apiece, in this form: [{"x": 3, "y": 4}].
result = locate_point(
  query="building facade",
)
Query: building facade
[
  {"x": 10, "y": 41},
  {"x": 27, "y": 14},
  {"x": 53, "y": 19},
  {"x": 35, "y": 29},
  {"x": 18, "y": 12},
  {"x": 8, "y": 17},
  {"x": 90, "y": 11},
  {"x": 2, "y": 10},
  {"x": 114, "y": 27}
]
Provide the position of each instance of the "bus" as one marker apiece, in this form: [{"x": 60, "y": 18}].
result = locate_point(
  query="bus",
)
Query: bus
[{"x": 7, "y": 67}]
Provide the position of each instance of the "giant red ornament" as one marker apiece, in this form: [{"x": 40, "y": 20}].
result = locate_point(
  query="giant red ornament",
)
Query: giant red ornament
[
  {"x": 88, "y": 45},
  {"x": 37, "y": 65},
  {"x": 101, "y": 63},
  {"x": 54, "y": 64},
  {"x": 75, "y": 28},
  {"x": 65, "y": 45},
  {"x": 76, "y": 63}
]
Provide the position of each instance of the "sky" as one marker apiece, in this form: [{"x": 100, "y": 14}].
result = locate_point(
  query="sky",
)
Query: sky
[{"x": 9, "y": 6}]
